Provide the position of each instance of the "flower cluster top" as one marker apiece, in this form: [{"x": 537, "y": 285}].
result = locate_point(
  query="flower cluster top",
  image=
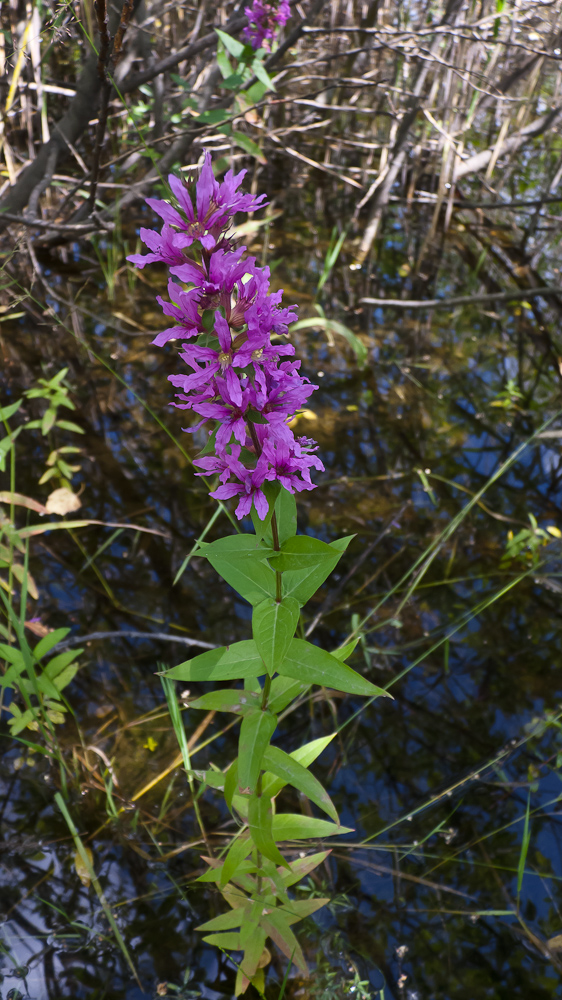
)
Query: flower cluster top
[
  {"x": 265, "y": 20},
  {"x": 239, "y": 371}
]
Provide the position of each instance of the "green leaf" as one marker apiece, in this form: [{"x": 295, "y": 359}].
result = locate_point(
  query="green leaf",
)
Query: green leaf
[
  {"x": 223, "y": 63},
  {"x": 48, "y": 420},
  {"x": 305, "y": 755},
  {"x": 229, "y": 940},
  {"x": 302, "y": 552},
  {"x": 46, "y": 644},
  {"x": 312, "y": 665},
  {"x": 344, "y": 652},
  {"x": 271, "y": 491},
  {"x": 232, "y": 82},
  {"x": 242, "y": 547},
  {"x": 260, "y": 71},
  {"x": 235, "y": 47},
  {"x": 8, "y": 411},
  {"x": 294, "y": 826},
  {"x": 286, "y": 514},
  {"x": 249, "y": 146},
  {"x": 283, "y": 691},
  {"x": 231, "y": 783},
  {"x": 239, "y": 561},
  {"x": 227, "y": 663},
  {"x": 303, "y": 866},
  {"x": 213, "y": 778},
  {"x": 254, "y": 94},
  {"x": 58, "y": 663},
  {"x": 255, "y": 733},
  {"x": 212, "y": 117},
  {"x": 225, "y": 921},
  {"x": 11, "y": 654},
  {"x": 228, "y": 700},
  {"x": 273, "y": 627},
  {"x": 68, "y": 425},
  {"x": 260, "y": 825},
  {"x": 293, "y": 773},
  {"x": 237, "y": 853},
  {"x": 303, "y": 583}
]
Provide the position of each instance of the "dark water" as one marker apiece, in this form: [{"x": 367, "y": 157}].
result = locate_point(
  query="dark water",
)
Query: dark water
[{"x": 436, "y": 783}]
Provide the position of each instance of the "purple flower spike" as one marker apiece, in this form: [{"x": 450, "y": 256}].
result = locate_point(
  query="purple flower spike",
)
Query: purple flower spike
[{"x": 235, "y": 376}]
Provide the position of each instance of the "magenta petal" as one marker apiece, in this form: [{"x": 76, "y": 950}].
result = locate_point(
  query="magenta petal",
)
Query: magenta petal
[
  {"x": 166, "y": 212},
  {"x": 227, "y": 491},
  {"x": 244, "y": 507},
  {"x": 261, "y": 505}
]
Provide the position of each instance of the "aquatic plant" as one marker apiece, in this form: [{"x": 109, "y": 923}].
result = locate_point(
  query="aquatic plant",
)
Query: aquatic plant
[{"x": 241, "y": 378}]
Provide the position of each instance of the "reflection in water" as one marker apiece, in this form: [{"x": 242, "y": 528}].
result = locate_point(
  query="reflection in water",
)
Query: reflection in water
[{"x": 430, "y": 896}]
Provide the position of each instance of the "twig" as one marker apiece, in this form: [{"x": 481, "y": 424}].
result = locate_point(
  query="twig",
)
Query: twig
[
  {"x": 77, "y": 640},
  {"x": 462, "y": 300}
]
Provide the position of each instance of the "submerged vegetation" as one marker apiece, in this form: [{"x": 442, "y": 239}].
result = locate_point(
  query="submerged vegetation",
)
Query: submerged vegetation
[{"x": 412, "y": 160}]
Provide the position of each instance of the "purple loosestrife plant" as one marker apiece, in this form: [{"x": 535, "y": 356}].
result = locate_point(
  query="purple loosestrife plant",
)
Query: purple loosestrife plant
[{"x": 241, "y": 380}]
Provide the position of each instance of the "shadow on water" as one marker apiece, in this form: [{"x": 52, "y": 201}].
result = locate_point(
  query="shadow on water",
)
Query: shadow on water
[{"x": 436, "y": 784}]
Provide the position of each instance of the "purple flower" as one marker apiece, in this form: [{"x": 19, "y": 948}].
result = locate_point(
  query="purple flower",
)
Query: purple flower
[
  {"x": 265, "y": 19},
  {"x": 215, "y": 204},
  {"x": 235, "y": 375},
  {"x": 249, "y": 490},
  {"x": 185, "y": 310},
  {"x": 219, "y": 362},
  {"x": 225, "y": 465},
  {"x": 167, "y": 247},
  {"x": 286, "y": 465}
]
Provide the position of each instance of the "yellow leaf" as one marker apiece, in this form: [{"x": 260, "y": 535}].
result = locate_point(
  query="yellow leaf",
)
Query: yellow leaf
[
  {"x": 554, "y": 531},
  {"x": 150, "y": 744},
  {"x": 82, "y": 869},
  {"x": 555, "y": 943}
]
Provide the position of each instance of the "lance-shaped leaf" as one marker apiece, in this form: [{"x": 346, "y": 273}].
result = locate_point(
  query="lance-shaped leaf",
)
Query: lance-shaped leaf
[
  {"x": 228, "y": 700},
  {"x": 302, "y": 866},
  {"x": 313, "y": 665},
  {"x": 293, "y": 826},
  {"x": 304, "y": 755},
  {"x": 273, "y": 626},
  {"x": 46, "y": 644},
  {"x": 253, "y": 950},
  {"x": 226, "y": 921},
  {"x": 237, "y": 853},
  {"x": 293, "y": 773},
  {"x": 229, "y": 940},
  {"x": 279, "y": 930},
  {"x": 302, "y": 552},
  {"x": 283, "y": 691},
  {"x": 344, "y": 652},
  {"x": 255, "y": 733},
  {"x": 260, "y": 825},
  {"x": 239, "y": 560},
  {"x": 298, "y": 909},
  {"x": 304, "y": 582},
  {"x": 227, "y": 663}
]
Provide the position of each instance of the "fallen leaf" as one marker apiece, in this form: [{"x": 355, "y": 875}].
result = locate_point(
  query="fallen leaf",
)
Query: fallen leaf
[
  {"x": 82, "y": 869},
  {"x": 62, "y": 501},
  {"x": 37, "y": 627}
]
